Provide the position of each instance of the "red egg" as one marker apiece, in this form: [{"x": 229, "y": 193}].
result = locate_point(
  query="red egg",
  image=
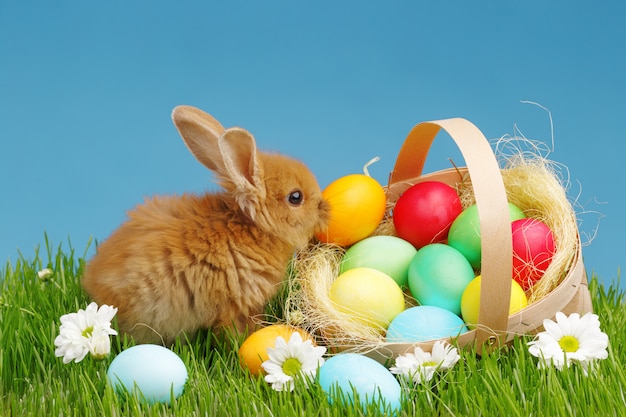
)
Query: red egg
[
  {"x": 533, "y": 250},
  {"x": 424, "y": 212}
]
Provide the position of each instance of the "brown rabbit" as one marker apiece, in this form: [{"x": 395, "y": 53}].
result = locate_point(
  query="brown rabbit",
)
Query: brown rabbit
[{"x": 190, "y": 262}]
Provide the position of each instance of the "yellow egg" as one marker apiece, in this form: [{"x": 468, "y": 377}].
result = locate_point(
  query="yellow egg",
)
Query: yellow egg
[
  {"x": 470, "y": 301},
  {"x": 253, "y": 351},
  {"x": 368, "y": 296},
  {"x": 357, "y": 205}
]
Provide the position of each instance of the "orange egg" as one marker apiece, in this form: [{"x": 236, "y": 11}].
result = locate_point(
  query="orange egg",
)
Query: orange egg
[
  {"x": 253, "y": 350},
  {"x": 357, "y": 205}
]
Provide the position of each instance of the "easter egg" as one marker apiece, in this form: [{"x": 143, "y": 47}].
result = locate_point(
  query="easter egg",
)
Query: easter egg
[
  {"x": 157, "y": 372},
  {"x": 470, "y": 302},
  {"x": 533, "y": 250},
  {"x": 368, "y": 296},
  {"x": 425, "y": 211},
  {"x": 388, "y": 254},
  {"x": 438, "y": 274},
  {"x": 253, "y": 350},
  {"x": 464, "y": 234},
  {"x": 423, "y": 323},
  {"x": 348, "y": 374},
  {"x": 357, "y": 206}
]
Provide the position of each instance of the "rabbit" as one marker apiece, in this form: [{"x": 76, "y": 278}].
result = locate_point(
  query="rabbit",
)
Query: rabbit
[{"x": 180, "y": 264}]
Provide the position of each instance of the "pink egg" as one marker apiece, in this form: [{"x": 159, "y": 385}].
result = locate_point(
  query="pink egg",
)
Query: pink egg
[{"x": 533, "y": 250}]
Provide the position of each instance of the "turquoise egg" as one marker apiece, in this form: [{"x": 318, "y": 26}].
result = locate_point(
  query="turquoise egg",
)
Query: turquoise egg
[
  {"x": 438, "y": 275},
  {"x": 157, "y": 372},
  {"x": 464, "y": 234},
  {"x": 359, "y": 375},
  {"x": 424, "y": 323},
  {"x": 388, "y": 254}
]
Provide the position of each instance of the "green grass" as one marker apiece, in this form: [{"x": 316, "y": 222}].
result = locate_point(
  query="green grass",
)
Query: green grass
[{"x": 506, "y": 383}]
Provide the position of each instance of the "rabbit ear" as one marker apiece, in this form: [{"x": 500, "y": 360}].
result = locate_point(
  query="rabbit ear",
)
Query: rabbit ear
[
  {"x": 200, "y": 132},
  {"x": 230, "y": 153},
  {"x": 239, "y": 156}
]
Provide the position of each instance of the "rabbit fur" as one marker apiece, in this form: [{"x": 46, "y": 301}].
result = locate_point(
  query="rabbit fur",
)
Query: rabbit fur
[{"x": 184, "y": 263}]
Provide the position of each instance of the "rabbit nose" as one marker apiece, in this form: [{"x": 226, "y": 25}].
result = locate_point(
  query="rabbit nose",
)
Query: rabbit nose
[
  {"x": 324, "y": 209},
  {"x": 324, "y": 205}
]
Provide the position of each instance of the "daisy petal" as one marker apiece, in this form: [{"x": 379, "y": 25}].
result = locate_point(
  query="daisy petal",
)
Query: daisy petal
[
  {"x": 292, "y": 358},
  {"x": 570, "y": 339},
  {"x": 83, "y": 332}
]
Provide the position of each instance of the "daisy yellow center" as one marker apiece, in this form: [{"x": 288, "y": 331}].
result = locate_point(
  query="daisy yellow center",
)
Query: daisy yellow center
[
  {"x": 569, "y": 344},
  {"x": 87, "y": 332},
  {"x": 291, "y": 367},
  {"x": 429, "y": 363}
]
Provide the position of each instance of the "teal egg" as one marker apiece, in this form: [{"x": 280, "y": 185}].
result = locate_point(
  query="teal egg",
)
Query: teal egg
[
  {"x": 388, "y": 254},
  {"x": 157, "y": 372},
  {"x": 424, "y": 323},
  {"x": 438, "y": 275},
  {"x": 357, "y": 375},
  {"x": 464, "y": 234}
]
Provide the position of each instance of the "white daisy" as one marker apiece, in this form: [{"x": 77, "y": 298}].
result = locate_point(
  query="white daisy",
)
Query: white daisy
[
  {"x": 568, "y": 340},
  {"x": 420, "y": 366},
  {"x": 86, "y": 331},
  {"x": 290, "y": 359},
  {"x": 45, "y": 274}
]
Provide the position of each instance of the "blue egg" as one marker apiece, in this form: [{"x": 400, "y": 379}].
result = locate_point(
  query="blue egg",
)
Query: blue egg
[
  {"x": 423, "y": 323},
  {"x": 156, "y": 371},
  {"x": 357, "y": 374}
]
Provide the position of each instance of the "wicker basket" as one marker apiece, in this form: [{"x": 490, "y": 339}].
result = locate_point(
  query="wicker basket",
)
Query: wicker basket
[{"x": 495, "y": 328}]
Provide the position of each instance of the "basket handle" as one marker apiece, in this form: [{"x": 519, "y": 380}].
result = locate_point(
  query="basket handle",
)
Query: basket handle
[{"x": 493, "y": 213}]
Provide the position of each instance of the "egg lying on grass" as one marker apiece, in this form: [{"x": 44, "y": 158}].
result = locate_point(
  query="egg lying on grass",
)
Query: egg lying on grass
[
  {"x": 350, "y": 377},
  {"x": 153, "y": 372},
  {"x": 253, "y": 350}
]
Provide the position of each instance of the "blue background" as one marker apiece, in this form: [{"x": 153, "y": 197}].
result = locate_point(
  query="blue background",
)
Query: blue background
[{"x": 86, "y": 91}]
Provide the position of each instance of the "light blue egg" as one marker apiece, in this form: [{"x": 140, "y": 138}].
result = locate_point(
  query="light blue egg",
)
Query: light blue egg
[
  {"x": 353, "y": 373},
  {"x": 423, "y": 323},
  {"x": 156, "y": 371}
]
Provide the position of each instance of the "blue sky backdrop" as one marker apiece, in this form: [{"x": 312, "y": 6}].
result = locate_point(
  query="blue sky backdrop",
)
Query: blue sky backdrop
[{"x": 86, "y": 91}]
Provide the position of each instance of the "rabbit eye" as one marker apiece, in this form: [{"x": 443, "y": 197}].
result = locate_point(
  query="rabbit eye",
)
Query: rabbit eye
[{"x": 295, "y": 198}]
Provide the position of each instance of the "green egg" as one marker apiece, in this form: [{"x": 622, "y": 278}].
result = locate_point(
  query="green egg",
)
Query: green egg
[
  {"x": 388, "y": 254},
  {"x": 464, "y": 234},
  {"x": 438, "y": 275}
]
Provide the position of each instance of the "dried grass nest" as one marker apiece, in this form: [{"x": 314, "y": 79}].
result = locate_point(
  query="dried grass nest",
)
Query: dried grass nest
[{"x": 532, "y": 183}]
